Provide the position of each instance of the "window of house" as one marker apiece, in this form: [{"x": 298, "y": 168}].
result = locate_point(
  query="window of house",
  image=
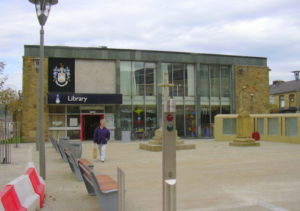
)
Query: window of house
[
  {"x": 271, "y": 100},
  {"x": 281, "y": 101},
  {"x": 292, "y": 98}
]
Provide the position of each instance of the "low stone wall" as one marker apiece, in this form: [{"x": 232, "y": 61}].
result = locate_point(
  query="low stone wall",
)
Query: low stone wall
[{"x": 271, "y": 127}]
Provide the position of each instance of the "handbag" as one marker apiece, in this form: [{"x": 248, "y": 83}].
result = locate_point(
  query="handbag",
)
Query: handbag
[{"x": 95, "y": 152}]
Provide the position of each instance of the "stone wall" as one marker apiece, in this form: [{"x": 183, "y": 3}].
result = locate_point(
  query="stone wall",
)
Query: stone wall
[
  {"x": 256, "y": 80},
  {"x": 29, "y": 105}
]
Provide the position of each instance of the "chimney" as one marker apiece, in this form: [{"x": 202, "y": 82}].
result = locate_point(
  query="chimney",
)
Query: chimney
[
  {"x": 296, "y": 74},
  {"x": 277, "y": 82}
]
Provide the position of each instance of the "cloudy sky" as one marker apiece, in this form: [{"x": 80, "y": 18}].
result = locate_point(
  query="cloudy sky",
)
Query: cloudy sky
[{"x": 267, "y": 28}]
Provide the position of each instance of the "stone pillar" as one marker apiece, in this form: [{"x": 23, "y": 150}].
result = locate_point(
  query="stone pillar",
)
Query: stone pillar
[
  {"x": 29, "y": 107},
  {"x": 244, "y": 122}
]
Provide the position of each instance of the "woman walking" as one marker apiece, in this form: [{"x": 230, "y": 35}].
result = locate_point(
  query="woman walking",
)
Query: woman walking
[{"x": 101, "y": 137}]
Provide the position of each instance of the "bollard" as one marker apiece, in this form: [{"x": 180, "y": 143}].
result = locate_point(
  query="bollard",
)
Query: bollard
[
  {"x": 170, "y": 195},
  {"x": 169, "y": 155},
  {"x": 121, "y": 191}
]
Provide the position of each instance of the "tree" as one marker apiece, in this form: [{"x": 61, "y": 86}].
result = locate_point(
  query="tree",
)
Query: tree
[
  {"x": 2, "y": 77},
  {"x": 8, "y": 97},
  {"x": 15, "y": 105}
]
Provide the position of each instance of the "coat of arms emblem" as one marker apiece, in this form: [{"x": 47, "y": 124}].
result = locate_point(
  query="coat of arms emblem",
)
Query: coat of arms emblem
[{"x": 61, "y": 75}]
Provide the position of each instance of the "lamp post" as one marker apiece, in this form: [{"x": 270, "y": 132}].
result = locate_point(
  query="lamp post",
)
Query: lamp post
[{"x": 42, "y": 8}]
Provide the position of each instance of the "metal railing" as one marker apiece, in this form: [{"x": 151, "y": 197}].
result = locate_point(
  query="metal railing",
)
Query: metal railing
[{"x": 9, "y": 136}]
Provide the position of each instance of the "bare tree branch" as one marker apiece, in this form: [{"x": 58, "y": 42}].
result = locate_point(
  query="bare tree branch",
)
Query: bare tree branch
[{"x": 3, "y": 78}]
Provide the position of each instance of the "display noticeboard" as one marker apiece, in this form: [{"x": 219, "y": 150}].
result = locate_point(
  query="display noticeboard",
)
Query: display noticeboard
[{"x": 73, "y": 122}]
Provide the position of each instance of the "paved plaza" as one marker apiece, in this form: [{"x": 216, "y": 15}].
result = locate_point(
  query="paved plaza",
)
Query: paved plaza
[{"x": 212, "y": 177}]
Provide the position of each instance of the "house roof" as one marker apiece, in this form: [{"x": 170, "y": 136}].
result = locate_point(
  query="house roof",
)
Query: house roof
[{"x": 285, "y": 87}]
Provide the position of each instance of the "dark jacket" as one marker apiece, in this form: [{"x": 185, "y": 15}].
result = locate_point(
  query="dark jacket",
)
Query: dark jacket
[{"x": 101, "y": 136}]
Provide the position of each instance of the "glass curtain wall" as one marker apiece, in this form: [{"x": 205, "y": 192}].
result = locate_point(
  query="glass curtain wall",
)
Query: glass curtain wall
[
  {"x": 215, "y": 94},
  {"x": 183, "y": 78},
  {"x": 138, "y": 87},
  {"x": 126, "y": 90}
]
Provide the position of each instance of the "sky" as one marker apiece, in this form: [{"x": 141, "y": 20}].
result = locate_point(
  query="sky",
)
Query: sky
[{"x": 264, "y": 28}]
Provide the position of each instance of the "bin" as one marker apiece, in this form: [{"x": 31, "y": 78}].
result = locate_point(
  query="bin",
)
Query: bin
[
  {"x": 63, "y": 142},
  {"x": 76, "y": 148}
]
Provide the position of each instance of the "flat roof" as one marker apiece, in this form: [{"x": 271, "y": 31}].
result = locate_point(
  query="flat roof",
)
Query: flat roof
[{"x": 142, "y": 55}]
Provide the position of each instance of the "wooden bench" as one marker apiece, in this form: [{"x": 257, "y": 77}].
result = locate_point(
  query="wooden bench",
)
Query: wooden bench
[
  {"x": 73, "y": 163},
  {"x": 103, "y": 186}
]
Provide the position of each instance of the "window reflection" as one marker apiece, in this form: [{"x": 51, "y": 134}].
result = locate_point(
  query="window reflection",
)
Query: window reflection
[
  {"x": 204, "y": 81},
  {"x": 150, "y": 79},
  {"x": 180, "y": 120},
  {"x": 151, "y": 120},
  {"x": 183, "y": 78},
  {"x": 125, "y": 75},
  {"x": 138, "y": 79},
  {"x": 190, "y": 125},
  {"x": 126, "y": 118},
  {"x": 215, "y": 80},
  {"x": 225, "y": 81},
  {"x": 138, "y": 85}
]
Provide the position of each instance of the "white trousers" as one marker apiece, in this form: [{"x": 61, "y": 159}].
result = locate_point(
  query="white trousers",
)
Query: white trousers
[{"x": 102, "y": 151}]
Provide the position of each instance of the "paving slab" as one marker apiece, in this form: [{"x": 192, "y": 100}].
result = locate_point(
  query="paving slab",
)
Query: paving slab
[
  {"x": 20, "y": 156},
  {"x": 212, "y": 177}
]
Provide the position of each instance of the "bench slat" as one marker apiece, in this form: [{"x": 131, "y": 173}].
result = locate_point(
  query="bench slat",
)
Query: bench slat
[
  {"x": 107, "y": 183},
  {"x": 85, "y": 162}
]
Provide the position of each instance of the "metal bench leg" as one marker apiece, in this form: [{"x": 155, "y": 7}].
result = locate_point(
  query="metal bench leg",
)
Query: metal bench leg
[{"x": 77, "y": 173}]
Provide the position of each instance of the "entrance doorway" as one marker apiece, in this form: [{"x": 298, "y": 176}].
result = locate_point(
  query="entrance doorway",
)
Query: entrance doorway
[{"x": 88, "y": 123}]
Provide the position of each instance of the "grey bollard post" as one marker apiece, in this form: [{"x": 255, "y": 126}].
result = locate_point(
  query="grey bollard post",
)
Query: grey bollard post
[
  {"x": 170, "y": 195},
  {"x": 121, "y": 191},
  {"x": 169, "y": 155}
]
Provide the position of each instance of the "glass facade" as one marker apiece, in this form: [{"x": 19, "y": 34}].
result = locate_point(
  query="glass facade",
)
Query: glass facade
[
  {"x": 215, "y": 95},
  {"x": 139, "y": 108},
  {"x": 69, "y": 120},
  {"x": 201, "y": 92},
  {"x": 198, "y": 100}
]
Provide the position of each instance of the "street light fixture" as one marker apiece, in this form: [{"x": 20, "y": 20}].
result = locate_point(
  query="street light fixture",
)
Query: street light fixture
[{"x": 42, "y": 8}]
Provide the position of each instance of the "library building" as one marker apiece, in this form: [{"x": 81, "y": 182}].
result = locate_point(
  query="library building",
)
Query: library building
[{"x": 84, "y": 85}]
